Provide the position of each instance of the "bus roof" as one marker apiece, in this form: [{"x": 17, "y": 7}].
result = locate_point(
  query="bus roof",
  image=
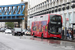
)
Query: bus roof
[{"x": 46, "y": 14}]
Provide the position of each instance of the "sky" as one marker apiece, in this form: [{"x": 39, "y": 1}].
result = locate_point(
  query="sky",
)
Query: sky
[{"x": 9, "y": 2}]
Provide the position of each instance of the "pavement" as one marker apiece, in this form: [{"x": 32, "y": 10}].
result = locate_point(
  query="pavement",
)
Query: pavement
[
  {"x": 4, "y": 47},
  {"x": 9, "y": 42}
]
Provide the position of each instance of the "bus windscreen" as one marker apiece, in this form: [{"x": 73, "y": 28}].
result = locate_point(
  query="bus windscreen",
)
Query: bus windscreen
[
  {"x": 55, "y": 24},
  {"x": 55, "y": 18}
]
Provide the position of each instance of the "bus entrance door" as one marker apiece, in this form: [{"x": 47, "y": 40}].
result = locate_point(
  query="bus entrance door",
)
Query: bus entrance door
[{"x": 45, "y": 31}]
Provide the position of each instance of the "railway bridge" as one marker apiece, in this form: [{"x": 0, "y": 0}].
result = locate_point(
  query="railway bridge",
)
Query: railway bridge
[{"x": 12, "y": 13}]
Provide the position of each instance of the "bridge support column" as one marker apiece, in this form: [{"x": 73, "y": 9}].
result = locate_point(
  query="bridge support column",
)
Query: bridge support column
[
  {"x": 23, "y": 24},
  {"x": 19, "y": 24}
]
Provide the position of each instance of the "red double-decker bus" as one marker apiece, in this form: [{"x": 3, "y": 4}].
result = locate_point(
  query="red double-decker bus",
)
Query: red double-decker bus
[{"x": 46, "y": 26}]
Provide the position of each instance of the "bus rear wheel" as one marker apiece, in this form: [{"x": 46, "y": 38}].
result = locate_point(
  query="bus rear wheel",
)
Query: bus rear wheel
[
  {"x": 33, "y": 35},
  {"x": 42, "y": 36}
]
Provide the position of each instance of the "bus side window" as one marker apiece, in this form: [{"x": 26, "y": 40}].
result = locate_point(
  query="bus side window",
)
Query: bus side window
[{"x": 34, "y": 28}]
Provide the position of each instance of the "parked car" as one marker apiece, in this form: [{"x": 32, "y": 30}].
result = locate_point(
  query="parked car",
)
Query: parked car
[
  {"x": 17, "y": 31},
  {"x": 2, "y": 29},
  {"x": 28, "y": 32},
  {"x": 23, "y": 31},
  {"x": 8, "y": 31}
]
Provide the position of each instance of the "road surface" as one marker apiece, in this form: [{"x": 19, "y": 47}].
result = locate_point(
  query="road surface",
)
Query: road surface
[{"x": 9, "y": 42}]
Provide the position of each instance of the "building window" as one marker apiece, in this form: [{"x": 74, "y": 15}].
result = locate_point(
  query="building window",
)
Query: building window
[
  {"x": 65, "y": 1},
  {"x": 70, "y": 6},
  {"x": 50, "y": 0},
  {"x": 42, "y": 5},
  {"x": 47, "y": 0},
  {"x": 53, "y": 0},
  {"x": 57, "y": 2},
  {"x": 37, "y": 7},
  {"x": 53, "y": 4},
  {"x": 61, "y": 1}
]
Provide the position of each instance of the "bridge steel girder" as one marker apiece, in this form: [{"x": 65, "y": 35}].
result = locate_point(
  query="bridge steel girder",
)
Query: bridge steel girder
[{"x": 12, "y": 12}]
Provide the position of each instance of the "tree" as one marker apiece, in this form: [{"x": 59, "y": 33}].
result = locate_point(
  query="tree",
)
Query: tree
[{"x": 9, "y": 24}]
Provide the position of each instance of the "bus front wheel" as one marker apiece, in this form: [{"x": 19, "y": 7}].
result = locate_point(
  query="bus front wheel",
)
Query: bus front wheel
[{"x": 34, "y": 35}]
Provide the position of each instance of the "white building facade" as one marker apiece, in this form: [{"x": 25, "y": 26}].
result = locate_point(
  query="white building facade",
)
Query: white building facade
[
  {"x": 66, "y": 8},
  {"x": 2, "y": 24}
]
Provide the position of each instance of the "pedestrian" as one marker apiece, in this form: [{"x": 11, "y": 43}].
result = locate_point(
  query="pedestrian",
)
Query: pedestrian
[
  {"x": 69, "y": 33},
  {"x": 72, "y": 31},
  {"x": 62, "y": 34}
]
